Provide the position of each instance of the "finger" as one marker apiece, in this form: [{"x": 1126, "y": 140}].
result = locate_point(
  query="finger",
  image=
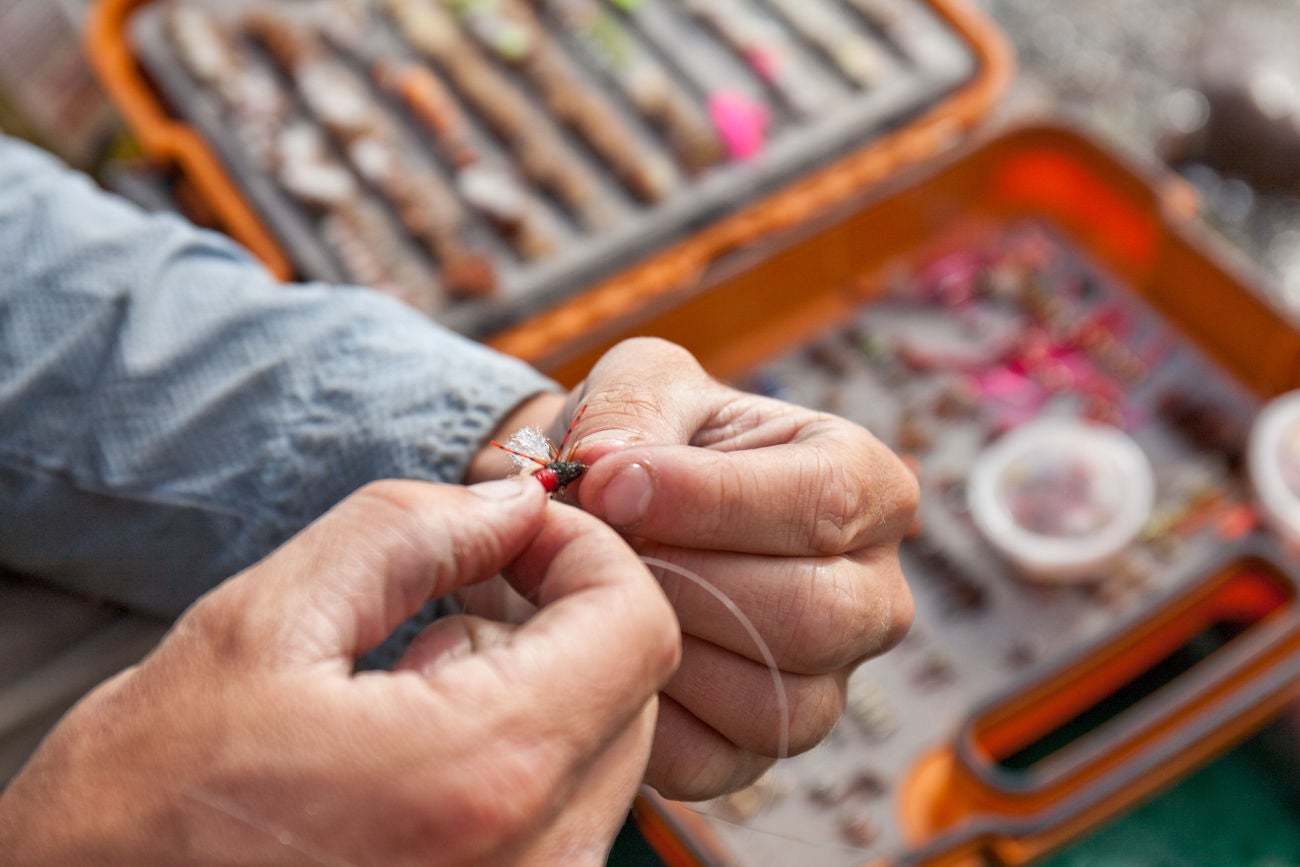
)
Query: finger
[
  {"x": 452, "y": 638},
  {"x": 599, "y": 803},
  {"x": 832, "y": 488},
  {"x": 602, "y": 643},
  {"x": 366, "y": 566},
  {"x": 739, "y": 700},
  {"x": 594, "y": 801},
  {"x": 692, "y": 762},
  {"x": 643, "y": 390},
  {"x": 814, "y": 614},
  {"x": 494, "y": 599}
]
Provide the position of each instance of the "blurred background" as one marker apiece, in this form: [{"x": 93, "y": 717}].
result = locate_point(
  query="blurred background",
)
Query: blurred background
[
  {"x": 1210, "y": 88},
  {"x": 1204, "y": 89}
]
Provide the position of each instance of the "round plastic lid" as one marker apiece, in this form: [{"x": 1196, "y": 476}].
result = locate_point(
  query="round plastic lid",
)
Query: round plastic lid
[
  {"x": 1274, "y": 461},
  {"x": 1061, "y": 497}
]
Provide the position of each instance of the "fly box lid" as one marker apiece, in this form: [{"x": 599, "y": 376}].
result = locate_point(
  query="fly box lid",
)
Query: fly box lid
[{"x": 504, "y": 156}]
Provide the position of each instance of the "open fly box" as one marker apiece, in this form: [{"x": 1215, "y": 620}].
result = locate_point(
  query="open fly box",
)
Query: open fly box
[{"x": 1033, "y": 284}]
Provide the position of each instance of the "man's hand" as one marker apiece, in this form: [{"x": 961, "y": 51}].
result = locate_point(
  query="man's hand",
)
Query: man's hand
[
  {"x": 245, "y": 738},
  {"x": 795, "y": 515}
]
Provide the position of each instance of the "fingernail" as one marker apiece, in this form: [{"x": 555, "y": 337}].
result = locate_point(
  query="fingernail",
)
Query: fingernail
[
  {"x": 627, "y": 496},
  {"x": 501, "y": 489}
]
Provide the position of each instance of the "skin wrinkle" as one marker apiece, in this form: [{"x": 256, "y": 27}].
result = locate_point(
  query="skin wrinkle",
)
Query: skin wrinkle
[
  {"x": 701, "y": 774},
  {"x": 779, "y": 605},
  {"x": 889, "y": 616},
  {"x": 627, "y": 401},
  {"x": 720, "y": 765},
  {"x": 813, "y": 699},
  {"x": 727, "y": 483},
  {"x": 405, "y": 533},
  {"x": 820, "y": 617},
  {"x": 741, "y": 423},
  {"x": 877, "y": 617},
  {"x": 790, "y": 619},
  {"x": 828, "y": 585},
  {"x": 834, "y": 516}
]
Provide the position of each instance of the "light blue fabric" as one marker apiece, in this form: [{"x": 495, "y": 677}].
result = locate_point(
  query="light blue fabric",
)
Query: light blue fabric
[{"x": 169, "y": 413}]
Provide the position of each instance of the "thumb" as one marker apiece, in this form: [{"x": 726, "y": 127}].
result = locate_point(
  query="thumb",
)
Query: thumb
[
  {"x": 644, "y": 391},
  {"x": 347, "y": 581}
]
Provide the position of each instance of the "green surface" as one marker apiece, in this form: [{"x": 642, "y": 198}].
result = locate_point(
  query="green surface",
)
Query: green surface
[
  {"x": 632, "y": 850},
  {"x": 1240, "y": 811}
]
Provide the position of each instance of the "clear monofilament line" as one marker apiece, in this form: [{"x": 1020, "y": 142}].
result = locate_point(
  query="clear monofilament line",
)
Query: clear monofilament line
[{"x": 778, "y": 685}]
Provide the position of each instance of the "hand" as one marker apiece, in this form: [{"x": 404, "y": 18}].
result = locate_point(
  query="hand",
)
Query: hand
[
  {"x": 795, "y": 515},
  {"x": 245, "y": 738}
]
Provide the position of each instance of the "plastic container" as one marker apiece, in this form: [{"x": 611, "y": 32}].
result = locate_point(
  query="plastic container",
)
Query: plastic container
[
  {"x": 855, "y": 141},
  {"x": 736, "y": 309},
  {"x": 1061, "y": 498},
  {"x": 1274, "y": 461}
]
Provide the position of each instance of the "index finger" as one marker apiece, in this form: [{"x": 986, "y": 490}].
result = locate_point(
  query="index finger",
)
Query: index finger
[
  {"x": 832, "y": 488},
  {"x": 603, "y": 643}
]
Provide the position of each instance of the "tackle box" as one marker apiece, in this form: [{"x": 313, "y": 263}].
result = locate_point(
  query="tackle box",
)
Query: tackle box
[{"x": 1022, "y": 710}]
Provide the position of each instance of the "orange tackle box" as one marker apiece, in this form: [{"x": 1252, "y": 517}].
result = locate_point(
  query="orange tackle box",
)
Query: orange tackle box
[{"x": 1224, "y": 615}]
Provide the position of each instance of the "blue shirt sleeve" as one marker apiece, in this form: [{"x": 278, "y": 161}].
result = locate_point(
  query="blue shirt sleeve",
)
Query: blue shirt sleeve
[{"x": 169, "y": 412}]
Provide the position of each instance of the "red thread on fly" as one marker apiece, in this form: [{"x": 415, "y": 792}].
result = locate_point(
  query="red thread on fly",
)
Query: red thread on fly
[{"x": 532, "y": 450}]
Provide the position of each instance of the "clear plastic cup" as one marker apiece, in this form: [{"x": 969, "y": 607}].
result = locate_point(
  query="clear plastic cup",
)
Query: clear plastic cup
[
  {"x": 1273, "y": 458},
  {"x": 1061, "y": 497}
]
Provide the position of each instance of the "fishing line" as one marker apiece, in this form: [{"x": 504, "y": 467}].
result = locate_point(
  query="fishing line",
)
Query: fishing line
[
  {"x": 783, "y": 706},
  {"x": 778, "y": 685},
  {"x": 779, "y": 691}
]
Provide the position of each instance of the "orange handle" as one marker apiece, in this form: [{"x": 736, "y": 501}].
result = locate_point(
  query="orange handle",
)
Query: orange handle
[
  {"x": 168, "y": 141},
  {"x": 963, "y": 800}
]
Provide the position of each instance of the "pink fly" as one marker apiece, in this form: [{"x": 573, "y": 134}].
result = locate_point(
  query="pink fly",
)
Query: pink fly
[{"x": 532, "y": 451}]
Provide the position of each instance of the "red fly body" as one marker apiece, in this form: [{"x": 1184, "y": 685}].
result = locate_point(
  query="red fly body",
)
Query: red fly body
[{"x": 549, "y": 464}]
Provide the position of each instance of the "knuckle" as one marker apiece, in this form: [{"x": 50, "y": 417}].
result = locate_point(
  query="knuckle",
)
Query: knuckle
[
  {"x": 621, "y": 399},
  {"x": 902, "y": 608},
  {"x": 219, "y": 627},
  {"x": 834, "y": 611},
  {"x": 839, "y": 505},
  {"x": 889, "y": 608},
  {"x": 727, "y": 493},
  {"x": 815, "y": 706},
  {"x": 641, "y": 378},
  {"x": 835, "y": 523},
  {"x": 513, "y": 792},
  {"x": 665, "y": 650},
  {"x": 904, "y": 497},
  {"x": 395, "y": 520},
  {"x": 862, "y": 491}
]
